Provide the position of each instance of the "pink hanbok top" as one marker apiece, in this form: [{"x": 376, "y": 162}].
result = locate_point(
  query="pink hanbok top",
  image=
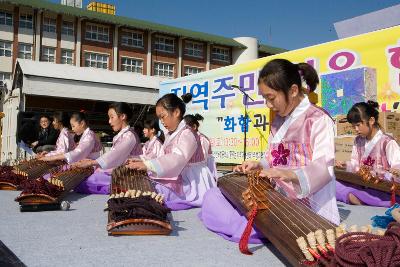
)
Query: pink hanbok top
[
  {"x": 304, "y": 142},
  {"x": 65, "y": 143},
  {"x": 125, "y": 144},
  {"x": 151, "y": 148},
  {"x": 181, "y": 165},
  {"x": 89, "y": 146},
  {"x": 206, "y": 146},
  {"x": 381, "y": 153}
]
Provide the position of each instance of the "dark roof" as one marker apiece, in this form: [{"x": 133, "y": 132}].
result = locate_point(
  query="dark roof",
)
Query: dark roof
[
  {"x": 139, "y": 24},
  {"x": 270, "y": 49}
]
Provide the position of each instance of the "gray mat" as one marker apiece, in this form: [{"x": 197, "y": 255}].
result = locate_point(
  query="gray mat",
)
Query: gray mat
[{"x": 78, "y": 237}]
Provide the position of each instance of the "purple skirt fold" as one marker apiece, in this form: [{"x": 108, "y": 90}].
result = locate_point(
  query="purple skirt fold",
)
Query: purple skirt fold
[
  {"x": 370, "y": 197},
  {"x": 97, "y": 183},
  {"x": 219, "y": 216}
]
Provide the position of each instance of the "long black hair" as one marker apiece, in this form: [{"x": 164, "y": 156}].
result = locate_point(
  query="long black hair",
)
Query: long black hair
[
  {"x": 280, "y": 74},
  {"x": 171, "y": 102},
  {"x": 362, "y": 112}
]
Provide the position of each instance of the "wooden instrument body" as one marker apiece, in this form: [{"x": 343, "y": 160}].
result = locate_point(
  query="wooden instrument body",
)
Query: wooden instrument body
[
  {"x": 124, "y": 179},
  {"x": 32, "y": 169},
  {"x": 271, "y": 221},
  {"x": 69, "y": 178},
  {"x": 8, "y": 186},
  {"x": 354, "y": 178}
]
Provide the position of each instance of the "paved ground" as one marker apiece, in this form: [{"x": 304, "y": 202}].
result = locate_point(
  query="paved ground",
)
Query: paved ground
[{"x": 78, "y": 238}]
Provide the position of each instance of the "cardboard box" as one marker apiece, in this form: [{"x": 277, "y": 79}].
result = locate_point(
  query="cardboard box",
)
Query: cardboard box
[
  {"x": 341, "y": 90},
  {"x": 343, "y": 127},
  {"x": 390, "y": 123},
  {"x": 343, "y": 148}
]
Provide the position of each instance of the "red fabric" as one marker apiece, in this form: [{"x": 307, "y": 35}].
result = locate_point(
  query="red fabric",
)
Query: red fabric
[{"x": 244, "y": 240}]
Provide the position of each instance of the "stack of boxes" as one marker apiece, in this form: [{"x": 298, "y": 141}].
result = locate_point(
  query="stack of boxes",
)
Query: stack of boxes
[{"x": 340, "y": 91}]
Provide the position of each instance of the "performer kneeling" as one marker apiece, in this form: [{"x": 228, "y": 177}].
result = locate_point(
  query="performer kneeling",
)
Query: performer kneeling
[
  {"x": 180, "y": 167},
  {"x": 125, "y": 144},
  {"x": 88, "y": 145},
  {"x": 373, "y": 149},
  {"x": 300, "y": 155}
]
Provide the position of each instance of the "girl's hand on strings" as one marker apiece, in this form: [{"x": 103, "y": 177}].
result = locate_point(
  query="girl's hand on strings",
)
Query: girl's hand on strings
[
  {"x": 137, "y": 165},
  {"x": 247, "y": 166},
  {"x": 46, "y": 158},
  {"x": 395, "y": 172},
  {"x": 41, "y": 154},
  {"x": 281, "y": 174},
  {"x": 84, "y": 163}
]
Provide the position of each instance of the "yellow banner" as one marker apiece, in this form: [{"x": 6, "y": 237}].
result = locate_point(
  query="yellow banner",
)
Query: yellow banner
[{"x": 351, "y": 70}]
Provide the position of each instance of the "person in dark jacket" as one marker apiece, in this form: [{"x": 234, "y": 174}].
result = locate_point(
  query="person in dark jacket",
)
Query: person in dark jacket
[{"x": 47, "y": 136}]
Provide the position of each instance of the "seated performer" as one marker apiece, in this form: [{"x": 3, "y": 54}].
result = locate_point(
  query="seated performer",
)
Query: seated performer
[
  {"x": 125, "y": 144},
  {"x": 193, "y": 121},
  {"x": 300, "y": 155},
  {"x": 373, "y": 148},
  {"x": 180, "y": 167},
  {"x": 153, "y": 146},
  {"x": 88, "y": 144},
  {"x": 65, "y": 141}
]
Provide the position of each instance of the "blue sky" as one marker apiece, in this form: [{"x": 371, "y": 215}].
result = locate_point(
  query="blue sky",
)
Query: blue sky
[{"x": 287, "y": 24}]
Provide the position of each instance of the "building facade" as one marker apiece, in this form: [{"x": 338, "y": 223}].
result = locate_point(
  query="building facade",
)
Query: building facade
[{"x": 43, "y": 31}]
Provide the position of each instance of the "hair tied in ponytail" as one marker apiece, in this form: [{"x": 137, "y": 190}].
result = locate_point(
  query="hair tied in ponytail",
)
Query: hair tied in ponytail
[
  {"x": 186, "y": 97},
  {"x": 373, "y": 104}
]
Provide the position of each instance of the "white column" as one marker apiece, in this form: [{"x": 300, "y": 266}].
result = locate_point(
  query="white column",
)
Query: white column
[
  {"x": 115, "y": 49},
  {"x": 149, "y": 65},
  {"x": 37, "y": 36},
  {"x": 180, "y": 52},
  {"x": 208, "y": 56},
  {"x": 78, "y": 55}
]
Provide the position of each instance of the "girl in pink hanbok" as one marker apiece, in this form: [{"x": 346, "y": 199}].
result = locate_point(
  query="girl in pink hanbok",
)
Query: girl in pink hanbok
[
  {"x": 180, "y": 168},
  {"x": 373, "y": 148},
  {"x": 65, "y": 141},
  {"x": 88, "y": 145},
  {"x": 152, "y": 131},
  {"x": 300, "y": 151},
  {"x": 193, "y": 121},
  {"x": 125, "y": 144}
]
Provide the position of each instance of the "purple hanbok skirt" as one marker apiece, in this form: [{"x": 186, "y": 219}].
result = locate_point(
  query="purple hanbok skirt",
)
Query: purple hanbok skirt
[
  {"x": 367, "y": 196},
  {"x": 219, "y": 216},
  {"x": 97, "y": 183}
]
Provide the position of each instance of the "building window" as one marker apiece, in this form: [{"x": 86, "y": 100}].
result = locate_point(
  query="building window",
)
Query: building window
[
  {"x": 5, "y": 49},
  {"x": 97, "y": 33},
  {"x": 67, "y": 56},
  {"x": 96, "y": 60},
  {"x": 164, "y": 44},
  {"x": 4, "y": 76},
  {"x": 6, "y": 18},
  {"x": 25, "y": 21},
  {"x": 134, "y": 39},
  {"x": 67, "y": 28},
  {"x": 192, "y": 70},
  {"x": 49, "y": 25},
  {"x": 194, "y": 49},
  {"x": 220, "y": 54},
  {"x": 25, "y": 51},
  {"x": 48, "y": 54},
  {"x": 132, "y": 65},
  {"x": 164, "y": 69}
]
